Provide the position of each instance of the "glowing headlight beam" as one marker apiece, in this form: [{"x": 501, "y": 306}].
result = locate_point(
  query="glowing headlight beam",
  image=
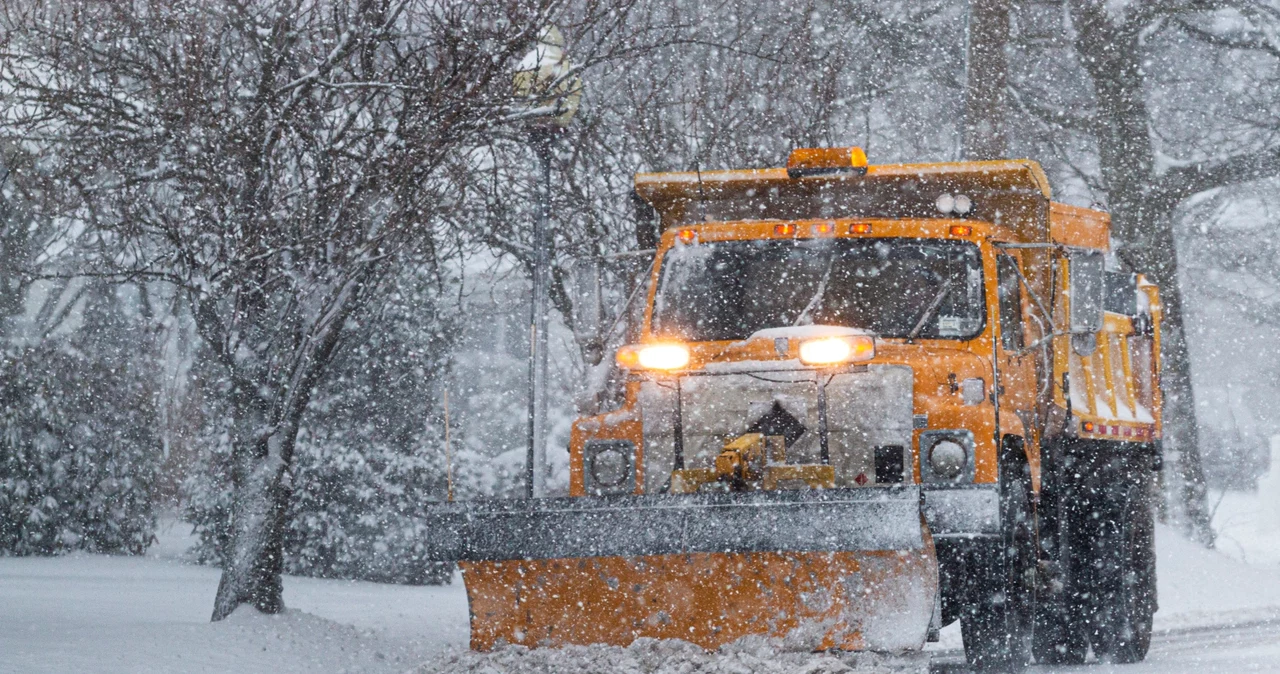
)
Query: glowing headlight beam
[
  {"x": 653, "y": 357},
  {"x": 836, "y": 350}
]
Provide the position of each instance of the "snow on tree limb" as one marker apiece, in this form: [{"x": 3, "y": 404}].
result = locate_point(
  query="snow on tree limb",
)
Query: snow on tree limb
[{"x": 1179, "y": 182}]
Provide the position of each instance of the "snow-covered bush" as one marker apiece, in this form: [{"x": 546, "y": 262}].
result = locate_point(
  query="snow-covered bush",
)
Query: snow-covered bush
[
  {"x": 356, "y": 513},
  {"x": 353, "y": 513},
  {"x": 79, "y": 446}
]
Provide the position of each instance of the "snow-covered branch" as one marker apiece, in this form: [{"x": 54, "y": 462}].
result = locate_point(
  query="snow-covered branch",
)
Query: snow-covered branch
[{"x": 1182, "y": 181}]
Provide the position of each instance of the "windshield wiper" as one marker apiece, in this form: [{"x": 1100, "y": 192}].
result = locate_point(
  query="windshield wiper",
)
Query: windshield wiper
[
  {"x": 817, "y": 297},
  {"x": 929, "y": 311}
]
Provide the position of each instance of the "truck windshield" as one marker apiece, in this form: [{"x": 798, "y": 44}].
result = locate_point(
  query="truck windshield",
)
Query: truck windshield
[{"x": 730, "y": 289}]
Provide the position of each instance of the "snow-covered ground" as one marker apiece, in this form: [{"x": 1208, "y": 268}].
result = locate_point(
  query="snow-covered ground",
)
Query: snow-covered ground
[
  {"x": 1248, "y": 524},
  {"x": 88, "y": 613},
  {"x": 1219, "y": 612}
]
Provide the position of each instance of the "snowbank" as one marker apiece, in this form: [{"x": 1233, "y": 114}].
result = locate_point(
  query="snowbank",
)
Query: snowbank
[
  {"x": 1206, "y": 587},
  {"x": 1248, "y": 524}
]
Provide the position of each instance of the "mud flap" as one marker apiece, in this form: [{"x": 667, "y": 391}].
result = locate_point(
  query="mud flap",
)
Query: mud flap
[{"x": 849, "y": 568}]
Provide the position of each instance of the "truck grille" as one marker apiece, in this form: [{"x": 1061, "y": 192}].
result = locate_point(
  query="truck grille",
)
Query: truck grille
[{"x": 867, "y": 408}]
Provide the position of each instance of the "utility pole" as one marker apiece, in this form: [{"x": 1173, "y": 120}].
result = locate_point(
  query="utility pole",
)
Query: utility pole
[{"x": 986, "y": 78}]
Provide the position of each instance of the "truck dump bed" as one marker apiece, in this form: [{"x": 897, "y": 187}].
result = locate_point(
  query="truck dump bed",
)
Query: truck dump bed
[{"x": 1112, "y": 388}]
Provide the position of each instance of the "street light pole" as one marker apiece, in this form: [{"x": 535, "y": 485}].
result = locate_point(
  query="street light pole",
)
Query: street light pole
[
  {"x": 536, "y": 456},
  {"x": 545, "y": 79}
]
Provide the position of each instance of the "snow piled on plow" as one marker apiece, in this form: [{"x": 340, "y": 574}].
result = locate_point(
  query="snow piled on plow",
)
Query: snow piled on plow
[{"x": 750, "y": 655}]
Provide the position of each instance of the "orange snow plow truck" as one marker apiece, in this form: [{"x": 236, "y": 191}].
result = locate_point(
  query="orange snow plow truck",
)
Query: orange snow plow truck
[{"x": 864, "y": 402}]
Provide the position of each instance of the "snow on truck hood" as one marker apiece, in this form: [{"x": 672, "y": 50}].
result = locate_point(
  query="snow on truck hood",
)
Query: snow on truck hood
[
  {"x": 786, "y": 364},
  {"x": 807, "y": 331}
]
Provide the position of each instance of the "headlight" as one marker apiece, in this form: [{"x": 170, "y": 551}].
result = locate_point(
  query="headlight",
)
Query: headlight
[
  {"x": 947, "y": 459},
  {"x": 836, "y": 350},
  {"x": 653, "y": 357},
  {"x": 608, "y": 466},
  {"x": 946, "y": 455}
]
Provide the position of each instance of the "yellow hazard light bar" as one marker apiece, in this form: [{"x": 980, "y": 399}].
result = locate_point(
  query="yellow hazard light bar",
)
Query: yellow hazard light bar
[{"x": 822, "y": 161}]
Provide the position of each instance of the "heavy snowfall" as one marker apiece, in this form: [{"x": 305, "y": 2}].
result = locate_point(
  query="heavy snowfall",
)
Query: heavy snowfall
[{"x": 280, "y": 278}]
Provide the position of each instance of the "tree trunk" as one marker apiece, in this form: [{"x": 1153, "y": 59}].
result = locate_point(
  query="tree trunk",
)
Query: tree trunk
[
  {"x": 1143, "y": 228},
  {"x": 986, "y": 77},
  {"x": 262, "y": 487}
]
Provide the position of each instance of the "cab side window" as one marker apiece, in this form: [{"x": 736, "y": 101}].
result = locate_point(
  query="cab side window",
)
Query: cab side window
[{"x": 1010, "y": 292}]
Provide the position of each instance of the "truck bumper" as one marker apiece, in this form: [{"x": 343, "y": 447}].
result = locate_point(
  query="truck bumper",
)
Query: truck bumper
[
  {"x": 837, "y": 520},
  {"x": 962, "y": 511}
]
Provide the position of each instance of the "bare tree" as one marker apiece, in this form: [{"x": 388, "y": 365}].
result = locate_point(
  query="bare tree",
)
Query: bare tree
[{"x": 272, "y": 160}]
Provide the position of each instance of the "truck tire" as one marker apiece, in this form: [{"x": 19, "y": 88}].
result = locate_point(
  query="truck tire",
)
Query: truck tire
[
  {"x": 1120, "y": 582},
  {"x": 996, "y": 620},
  {"x": 1059, "y": 637}
]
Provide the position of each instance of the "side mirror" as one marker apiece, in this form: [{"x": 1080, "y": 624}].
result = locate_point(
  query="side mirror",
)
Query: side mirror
[
  {"x": 588, "y": 310},
  {"x": 1087, "y": 297},
  {"x": 1122, "y": 293}
]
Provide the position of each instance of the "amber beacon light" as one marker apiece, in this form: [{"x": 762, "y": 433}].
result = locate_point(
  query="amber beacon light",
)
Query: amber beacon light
[{"x": 825, "y": 161}]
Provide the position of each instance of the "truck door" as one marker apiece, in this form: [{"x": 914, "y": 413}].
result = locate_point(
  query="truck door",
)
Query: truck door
[{"x": 1017, "y": 367}]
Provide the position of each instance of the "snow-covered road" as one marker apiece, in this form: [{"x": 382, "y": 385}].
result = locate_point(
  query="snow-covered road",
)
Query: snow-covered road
[{"x": 1249, "y": 646}]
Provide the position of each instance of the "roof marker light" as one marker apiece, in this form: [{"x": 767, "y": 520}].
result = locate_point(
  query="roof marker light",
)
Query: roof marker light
[
  {"x": 860, "y": 228},
  {"x": 687, "y": 236},
  {"x": 961, "y": 230},
  {"x": 785, "y": 229}
]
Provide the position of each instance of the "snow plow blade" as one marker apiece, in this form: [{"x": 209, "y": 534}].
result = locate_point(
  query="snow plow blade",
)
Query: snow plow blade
[{"x": 849, "y": 569}]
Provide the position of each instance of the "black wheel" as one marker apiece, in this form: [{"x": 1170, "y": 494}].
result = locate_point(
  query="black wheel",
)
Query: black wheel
[
  {"x": 1059, "y": 636},
  {"x": 1120, "y": 585},
  {"x": 996, "y": 619}
]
